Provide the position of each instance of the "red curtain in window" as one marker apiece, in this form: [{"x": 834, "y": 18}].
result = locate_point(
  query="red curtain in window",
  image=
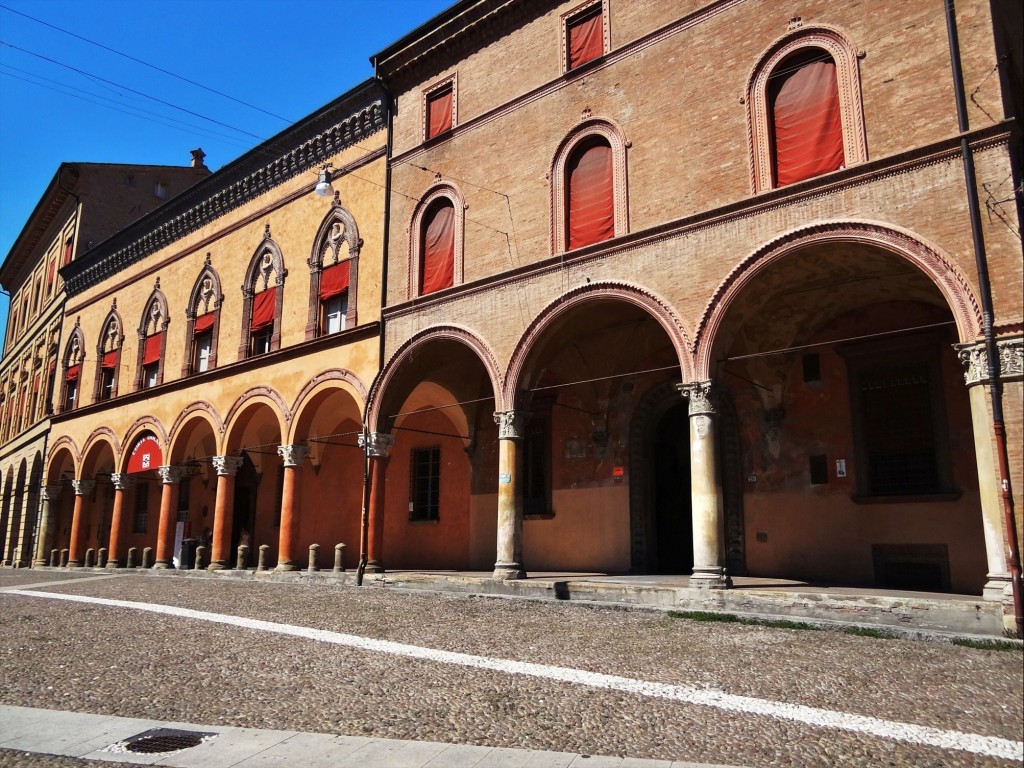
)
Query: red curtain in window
[
  {"x": 73, "y": 373},
  {"x": 109, "y": 361},
  {"x": 203, "y": 323},
  {"x": 808, "y": 126},
  {"x": 586, "y": 39},
  {"x": 439, "y": 113},
  {"x": 438, "y": 263},
  {"x": 35, "y": 383},
  {"x": 334, "y": 280},
  {"x": 67, "y": 253},
  {"x": 151, "y": 354},
  {"x": 591, "y": 201},
  {"x": 53, "y": 367},
  {"x": 264, "y": 306},
  {"x": 53, "y": 269}
]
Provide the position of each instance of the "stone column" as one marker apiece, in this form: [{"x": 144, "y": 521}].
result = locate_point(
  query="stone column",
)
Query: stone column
[
  {"x": 705, "y": 490},
  {"x": 82, "y": 489},
  {"x": 47, "y": 522},
  {"x": 227, "y": 467},
  {"x": 378, "y": 448},
  {"x": 1011, "y": 352},
  {"x": 292, "y": 457},
  {"x": 122, "y": 481},
  {"x": 509, "y": 563},
  {"x": 169, "y": 477}
]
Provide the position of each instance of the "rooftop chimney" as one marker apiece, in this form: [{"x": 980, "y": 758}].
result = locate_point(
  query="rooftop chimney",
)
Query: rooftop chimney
[{"x": 197, "y": 158}]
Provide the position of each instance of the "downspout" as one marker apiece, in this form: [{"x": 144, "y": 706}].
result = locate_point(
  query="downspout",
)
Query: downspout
[{"x": 985, "y": 289}]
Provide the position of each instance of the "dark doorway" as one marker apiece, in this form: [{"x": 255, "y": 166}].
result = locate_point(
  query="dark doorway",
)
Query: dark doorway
[
  {"x": 673, "y": 522},
  {"x": 243, "y": 520}
]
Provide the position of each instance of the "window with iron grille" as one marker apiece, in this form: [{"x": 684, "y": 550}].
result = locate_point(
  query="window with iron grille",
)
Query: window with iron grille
[
  {"x": 141, "y": 507},
  {"x": 425, "y": 484},
  {"x": 184, "y": 497}
]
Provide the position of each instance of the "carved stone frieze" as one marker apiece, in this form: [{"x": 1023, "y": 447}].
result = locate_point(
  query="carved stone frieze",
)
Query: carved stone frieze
[{"x": 975, "y": 360}]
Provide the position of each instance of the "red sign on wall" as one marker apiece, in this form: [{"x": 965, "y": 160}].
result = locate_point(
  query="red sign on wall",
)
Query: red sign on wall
[{"x": 146, "y": 455}]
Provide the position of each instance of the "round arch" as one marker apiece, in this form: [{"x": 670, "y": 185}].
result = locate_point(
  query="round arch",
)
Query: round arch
[
  {"x": 261, "y": 395},
  {"x": 99, "y": 437},
  {"x": 198, "y": 410},
  {"x": 55, "y": 462},
  {"x": 334, "y": 379}
]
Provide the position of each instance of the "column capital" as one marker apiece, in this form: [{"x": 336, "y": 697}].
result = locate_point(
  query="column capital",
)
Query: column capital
[
  {"x": 226, "y": 466},
  {"x": 293, "y": 455},
  {"x": 377, "y": 444},
  {"x": 511, "y": 424},
  {"x": 50, "y": 492},
  {"x": 975, "y": 359},
  {"x": 169, "y": 474},
  {"x": 82, "y": 486},
  {"x": 121, "y": 480},
  {"x": 701, "y": 395}
]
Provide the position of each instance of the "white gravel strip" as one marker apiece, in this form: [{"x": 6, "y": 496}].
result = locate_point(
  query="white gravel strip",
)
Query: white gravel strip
[{"x": 906, "y": 732}]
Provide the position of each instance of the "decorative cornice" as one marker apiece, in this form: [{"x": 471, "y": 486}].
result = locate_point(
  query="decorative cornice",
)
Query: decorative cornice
[
  {"x": 975, "y": 359},
  {"x": 303, "y": 147}
]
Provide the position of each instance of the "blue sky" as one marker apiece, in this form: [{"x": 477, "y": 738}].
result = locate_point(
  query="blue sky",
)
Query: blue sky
[{"x": 285, "y": 57}]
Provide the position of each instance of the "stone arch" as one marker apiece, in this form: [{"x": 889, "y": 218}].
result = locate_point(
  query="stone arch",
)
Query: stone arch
[
  {"x": 206, "y": 298},
  {"x": 198, "y": 409},
  {"x": 334, "y": 378},
  {"x": 5, "y": 511},
  {"x": 267, "y": 396},
  {"x": 441, "y": 191},
  {"x": 109, "y": 342},
  {"x": 646, "y": 300},
  {"x": 62, "y": 443},
  {"x": 71, "y": 369},
  {"x": 460, "y": 334},
  {"x": 844, "y": 54},
  {"x": 338, "y": 227},
  {"x": 940, "y": 269},
  {"x": 98, "y": 436},
  {"x": 152, "y": 327},
  {"x": 141, "y": 424},
  {"x": 616, "y": 138},
  {"x": 266, "y": 263}
]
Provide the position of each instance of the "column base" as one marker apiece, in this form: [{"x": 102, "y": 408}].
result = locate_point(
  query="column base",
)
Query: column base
[
  {"x": 163, "y": 565},
  {"x": 508, "y": 572},
  {"x": 74, "y": 564},
  {"x": 217, "y": 565},
  {"x": 291, "y": 565},
  {"x": 709, "y": 577},
  {"x": 114, "y": 564},
  {"x": 40, "y": 563},
  {"x": 374, "y": 566},
  {"x": 998, "y": 588}
]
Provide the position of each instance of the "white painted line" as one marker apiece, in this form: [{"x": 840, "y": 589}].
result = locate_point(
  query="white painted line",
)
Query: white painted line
[{"x": 990, "y": 746}]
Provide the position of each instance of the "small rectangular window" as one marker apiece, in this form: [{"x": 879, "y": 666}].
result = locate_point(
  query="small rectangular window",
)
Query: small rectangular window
[
  {"x": 149, "y": 375},
  {"x": 202, "y": 347},
  {"x": 819, "y": 470},
  {"x": 259, "y": 342},
  {"x": 141, "y": 507},
  {"x": 584, "y": 36},
  {"x": 106, "y": 383},
  {"x": 70, "y": 394},
  {"x": 333, "y": 313},
  {"x": 425, "y": 490},
  {"x": 439, "y": 110}
]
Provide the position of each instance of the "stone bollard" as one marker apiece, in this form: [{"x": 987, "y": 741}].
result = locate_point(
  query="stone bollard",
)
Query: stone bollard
[
  {"x": 147, "y": 557},
  {"x": 261, "y": 563},
  {"x": 339, "y": 558},
  {"x": 101, "y": 561},
  {"x": 200, "y": 556},
  {"x": 133, "y": 554},
  {"x": 314, "y": 555},
  {"x": 90, "y": 556},
  {"x": 64, "y": 558},
  {"x": 242, "y": 559},
  {"x": 54, "y": 558}
]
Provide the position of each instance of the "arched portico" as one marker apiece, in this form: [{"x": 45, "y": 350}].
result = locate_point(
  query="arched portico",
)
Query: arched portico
[
  {"x": 194, "y": 442},
  {"x": 94, "y": 498}
]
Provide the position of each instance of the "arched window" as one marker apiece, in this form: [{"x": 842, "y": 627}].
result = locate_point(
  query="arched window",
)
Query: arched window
[
  {"x": 202, "y": 322},
  {"x": 436, "y": 241},
  {"x": 152, "y": 341},
  {"x": 108, "y": 351},
  {"x": 588, "y": 192},
  {"x": 263, "y": 297},
  {"x": 74, "y": 355},
  {"x": 805, "y": 109},
  {"x": 333, "y": 274}
]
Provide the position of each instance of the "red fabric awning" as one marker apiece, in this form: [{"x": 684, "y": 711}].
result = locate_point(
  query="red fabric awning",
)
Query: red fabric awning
[
  {"x": 808, "y": 125},
  {"x": 110, "y": 359},
  {"x": 586, "y": 39},
  {"x": 591, "y": 201},
  {"x": 264, "y": 306},
  {"x": 73, "y": 372},
  {"x": 67, "y": 252},
  {"x": 53, "y": 270},
  {"x": 203, "y": 323},
  {"x": 151, "y": 353},
  {"x": 334, "y": 280},
  {"x": 53, "y": 366},
  {"x": 438, "y": 262},
  {"x": 439, "y": 113},
  {"x": 35, "y": 384},
  {"x": 146, "y": 454}
]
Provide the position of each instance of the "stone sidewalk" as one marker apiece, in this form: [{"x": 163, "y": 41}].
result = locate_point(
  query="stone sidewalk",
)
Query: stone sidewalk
[{"x": 115, "y": 739}]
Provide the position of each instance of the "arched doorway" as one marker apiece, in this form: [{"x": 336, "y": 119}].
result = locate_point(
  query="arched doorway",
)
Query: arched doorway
[{"x": 673, "y": 520}]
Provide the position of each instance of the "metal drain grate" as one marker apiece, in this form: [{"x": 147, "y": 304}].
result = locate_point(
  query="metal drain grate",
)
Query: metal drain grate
[{"x": 164, "y": 740}]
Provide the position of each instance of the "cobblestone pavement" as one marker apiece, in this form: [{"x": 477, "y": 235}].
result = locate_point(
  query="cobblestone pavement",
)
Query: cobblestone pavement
[{"x": 116, "y": 660}]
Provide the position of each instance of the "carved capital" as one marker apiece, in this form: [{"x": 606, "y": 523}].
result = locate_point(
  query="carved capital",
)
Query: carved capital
[
  {"x": 50, "y": 492},
  {"x": 169, "y": 475},
  {"x": 293, "y": 455},
  {"x": 975, "y": 360},
  {"x": 511, "y": 424},
  {"x": 122, "y": 481},
  {"x": 701, "y": 396},
  {"x": 226, "y": 465},
  {"x": 377, "y": 444},
  {"x": 83, "y": 487}
]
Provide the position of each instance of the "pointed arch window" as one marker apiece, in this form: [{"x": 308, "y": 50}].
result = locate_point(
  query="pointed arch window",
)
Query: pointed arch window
[
  {"x": 109, "y": 354},
  {"x": 334, "y": 274},
  {"x": 436, "y": 258},
  {"x": 152, "y": 341},
  {"x": 805, "y": 109},
  {"x": 74, "y": 355},
  {"x": 263, "y": 297},
  {"x": 202, "y": 322},
  {"x": 589, "y": 187}
]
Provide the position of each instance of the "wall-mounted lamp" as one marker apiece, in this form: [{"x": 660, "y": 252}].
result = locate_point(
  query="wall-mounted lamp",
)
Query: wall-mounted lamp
[{"x": 323, "y": 186}]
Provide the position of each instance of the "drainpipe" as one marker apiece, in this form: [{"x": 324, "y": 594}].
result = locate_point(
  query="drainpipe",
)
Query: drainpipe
[
  {"x": 985, "y": 289},
  {"x": 364, "y": 516}
]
